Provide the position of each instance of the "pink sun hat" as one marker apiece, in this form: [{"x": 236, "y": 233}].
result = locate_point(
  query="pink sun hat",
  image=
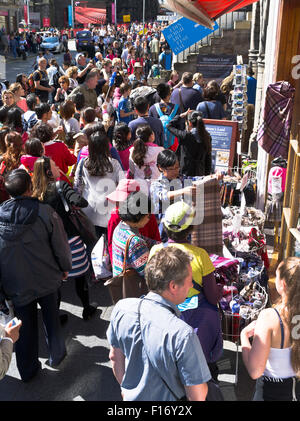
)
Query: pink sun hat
[{"x": 123, "y": 190}]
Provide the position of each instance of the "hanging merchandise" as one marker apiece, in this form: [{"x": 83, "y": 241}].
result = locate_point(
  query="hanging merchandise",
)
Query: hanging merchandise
[
  {"x": 239, "y": 96},
  {"x": 276, "y": 188},
  {"x": 274, "y": 133},
  {"x": 208, "y": 234}
]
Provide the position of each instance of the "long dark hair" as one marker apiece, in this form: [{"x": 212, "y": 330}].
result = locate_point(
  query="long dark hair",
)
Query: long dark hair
[
  {"x": 197, "y": 122},
  {"x": 14, "y": 120},
  {"x": 120, "y": 136},
  {"x": 139, "y": 147},
  {"x": 98, "y": 163}
]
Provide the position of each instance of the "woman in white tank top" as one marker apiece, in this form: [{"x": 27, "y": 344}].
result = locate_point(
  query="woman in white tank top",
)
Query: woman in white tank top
[{"x": 274, "y": 356}]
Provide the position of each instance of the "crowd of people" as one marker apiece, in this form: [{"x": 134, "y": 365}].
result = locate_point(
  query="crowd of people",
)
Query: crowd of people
[{"x": 95, "y": 135}]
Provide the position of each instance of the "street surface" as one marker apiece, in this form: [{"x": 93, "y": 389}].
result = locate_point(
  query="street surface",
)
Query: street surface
[{"x": 85, "y": 374}]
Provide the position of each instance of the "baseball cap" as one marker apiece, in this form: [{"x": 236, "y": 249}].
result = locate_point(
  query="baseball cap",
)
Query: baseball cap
[
  {"x": 123, "y": 190},
  {"x": 137, "y": 64},
  {"x": 178, "y": 216},
  {"x": 78, "y": 56}
]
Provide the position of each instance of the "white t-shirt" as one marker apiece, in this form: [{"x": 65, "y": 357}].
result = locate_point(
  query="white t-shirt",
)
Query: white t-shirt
[{"x": 72, "y": 125}]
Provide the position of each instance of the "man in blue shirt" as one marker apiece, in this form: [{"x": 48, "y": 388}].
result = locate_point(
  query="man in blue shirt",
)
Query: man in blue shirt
[
  {"x": 251, "y": 87},
  {"x": 141, "y": 106},
  {"x": 165, "y": 58},
  {"x": 155, "y": 355}
]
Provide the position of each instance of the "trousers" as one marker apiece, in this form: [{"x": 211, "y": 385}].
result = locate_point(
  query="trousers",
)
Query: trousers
[{"x": 27, "y": 346}]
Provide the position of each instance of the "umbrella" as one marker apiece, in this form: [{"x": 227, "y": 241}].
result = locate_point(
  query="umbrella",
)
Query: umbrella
[{"x": 205, "y": 12}]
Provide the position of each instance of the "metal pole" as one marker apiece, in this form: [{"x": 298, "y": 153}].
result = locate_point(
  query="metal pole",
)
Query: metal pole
[
  {"x": 143, "y": 15},
  {"x": 72, "y": 5},
  {"x": 116, "y": 12},
  {"x": 28, "y": 17}
]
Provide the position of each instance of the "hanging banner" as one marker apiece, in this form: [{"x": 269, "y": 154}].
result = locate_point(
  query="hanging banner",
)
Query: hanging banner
[
  {"x": 25, "y": 14},
  {"x": 184, "y": 33},
  {"x": 113, "y": 13},
  {"x": 88, "y": 15},
  {"x": 70, "y": 13},
  {"x": 46, "y": 23}
]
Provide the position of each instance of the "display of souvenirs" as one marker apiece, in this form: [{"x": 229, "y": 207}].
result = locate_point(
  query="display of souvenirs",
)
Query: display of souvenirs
[{"x": 239, "y": 96}]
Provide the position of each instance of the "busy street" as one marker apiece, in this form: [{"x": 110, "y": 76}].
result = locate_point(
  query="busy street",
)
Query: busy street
[{"x": 149, "y": 204}]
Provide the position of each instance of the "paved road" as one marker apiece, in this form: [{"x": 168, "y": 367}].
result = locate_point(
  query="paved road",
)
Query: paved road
[{"x": 10, "y": 67}]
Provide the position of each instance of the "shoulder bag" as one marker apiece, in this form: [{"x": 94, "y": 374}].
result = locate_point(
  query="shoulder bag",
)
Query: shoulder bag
[
  {"x": 84, "y": 227},
  {"x": 128, "y": 284}
]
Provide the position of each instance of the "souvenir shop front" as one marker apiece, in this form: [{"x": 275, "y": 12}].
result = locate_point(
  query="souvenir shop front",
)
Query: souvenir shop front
[{"x": 256, "y": 195}]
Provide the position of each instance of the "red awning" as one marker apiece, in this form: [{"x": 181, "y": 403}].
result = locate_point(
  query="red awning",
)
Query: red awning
[
  {"x": 205, "y": 11},
  {"x": 89, "y": 15}
]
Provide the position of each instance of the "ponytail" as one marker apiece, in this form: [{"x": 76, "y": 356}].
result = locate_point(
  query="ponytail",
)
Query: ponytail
[
  {"x": 139, "y": 152},
  {"x": 139, "y": 147},
  {"x": 197, "y": 122}
]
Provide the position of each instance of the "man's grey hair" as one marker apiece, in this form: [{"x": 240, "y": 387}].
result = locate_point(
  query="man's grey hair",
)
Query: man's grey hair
[{"x": 166, "y": 265}]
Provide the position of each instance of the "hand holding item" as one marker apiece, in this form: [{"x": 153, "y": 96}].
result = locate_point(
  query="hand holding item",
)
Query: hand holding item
[{"x": 12, "y": 329}]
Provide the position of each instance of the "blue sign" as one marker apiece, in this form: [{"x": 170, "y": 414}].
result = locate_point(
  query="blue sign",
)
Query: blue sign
[
  {"x": 221, "y": 137},
  {"x": 184, "y": 33},
  {"x": 70, "y": 15}
]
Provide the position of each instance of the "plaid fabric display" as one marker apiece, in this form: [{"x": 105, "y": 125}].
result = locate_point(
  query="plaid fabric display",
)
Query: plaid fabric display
[
  {"x": 274, "y": 132},
  {"x": 208, "y": 235}
]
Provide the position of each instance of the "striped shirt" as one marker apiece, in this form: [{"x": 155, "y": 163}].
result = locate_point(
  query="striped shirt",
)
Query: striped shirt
[
  {"x": 80, "y": 262},
  {"x": 138, "y": 251}
]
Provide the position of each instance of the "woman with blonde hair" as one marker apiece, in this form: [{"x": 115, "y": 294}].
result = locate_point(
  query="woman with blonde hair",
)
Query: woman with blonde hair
[
  {"x": 72, "y": 74},
  {"x": 274, "y": 355},
  {"x": 19, "y": 93}
]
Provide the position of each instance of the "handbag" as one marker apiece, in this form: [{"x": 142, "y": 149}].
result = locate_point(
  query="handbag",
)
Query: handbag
[
  {"x": 128, "y": 284},
  {"x": 84, "y": 227},
  {"x": 100, "y": 259}
]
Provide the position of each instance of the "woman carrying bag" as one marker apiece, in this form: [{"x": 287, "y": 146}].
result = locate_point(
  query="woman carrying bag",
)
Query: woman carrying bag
[{"x": 46, "y": 189}]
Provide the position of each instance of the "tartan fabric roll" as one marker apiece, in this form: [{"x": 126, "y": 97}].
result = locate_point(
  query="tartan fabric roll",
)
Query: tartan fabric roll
[
  {"x": 274, "y": 132},
  {"x": 208, "y": 235}
]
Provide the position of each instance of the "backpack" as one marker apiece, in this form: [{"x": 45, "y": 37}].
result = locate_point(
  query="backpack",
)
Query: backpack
[
  {"x": 155, "y": 71},
  {"x": 31, "y": 81},
  {"x": 169, "y": 138},
  {"x": 55, "y": 79}
]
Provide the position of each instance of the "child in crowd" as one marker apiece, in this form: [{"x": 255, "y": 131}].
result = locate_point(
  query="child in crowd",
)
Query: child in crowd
[
  {"x": 143, "y": 156},
  {"x": 122, "y": 142},
  {"x": 34, "y": 149},
  {"x": 125, "y": 111}
]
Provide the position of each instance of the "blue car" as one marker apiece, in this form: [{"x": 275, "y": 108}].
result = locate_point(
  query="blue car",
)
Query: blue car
[{"x": 84, "y": 40}]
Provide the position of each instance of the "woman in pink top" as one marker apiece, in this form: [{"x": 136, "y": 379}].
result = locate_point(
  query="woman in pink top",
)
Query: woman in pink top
[
  {"x": 34, "y": 149},
  {"x": 143, "y": 157}
]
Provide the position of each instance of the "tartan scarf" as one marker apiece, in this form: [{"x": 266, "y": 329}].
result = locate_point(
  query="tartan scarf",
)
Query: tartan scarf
[{"x": 274, "y": 132}]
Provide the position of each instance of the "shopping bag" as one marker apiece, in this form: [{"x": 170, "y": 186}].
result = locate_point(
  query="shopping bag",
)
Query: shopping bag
[{"x": 100, "y": 259}]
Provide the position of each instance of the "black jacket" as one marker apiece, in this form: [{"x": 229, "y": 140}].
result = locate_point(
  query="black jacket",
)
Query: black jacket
[
  {"x": 193, "y": 158},
  {"x": 34, "y": 250}
]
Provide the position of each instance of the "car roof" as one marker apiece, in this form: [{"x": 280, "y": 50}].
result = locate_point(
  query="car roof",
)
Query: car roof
[{"x": 85, "y": 31}]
